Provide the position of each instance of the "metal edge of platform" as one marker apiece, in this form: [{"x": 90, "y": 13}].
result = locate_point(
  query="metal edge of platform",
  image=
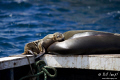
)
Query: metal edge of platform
[
  {"x": 16, "y": 61},
  {"x": 96, "y": 62}
]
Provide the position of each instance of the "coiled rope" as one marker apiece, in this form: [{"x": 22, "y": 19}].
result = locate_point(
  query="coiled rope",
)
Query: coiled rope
[{"x": 42, "y": 69}]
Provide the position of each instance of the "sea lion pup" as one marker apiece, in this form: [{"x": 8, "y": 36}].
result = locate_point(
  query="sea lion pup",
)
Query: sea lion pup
[{"x": 39, "y": 47}]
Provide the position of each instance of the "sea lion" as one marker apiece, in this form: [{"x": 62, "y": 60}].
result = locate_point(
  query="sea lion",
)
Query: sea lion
[
  {"x": 84, "y": 34},
  {"x": 69, "y": 34},
  {"x": 96, "y": 42},
  {"x": 39, "y": 47}
]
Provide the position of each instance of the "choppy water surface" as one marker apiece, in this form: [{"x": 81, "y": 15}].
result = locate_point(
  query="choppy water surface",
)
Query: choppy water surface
[{"x": 23, "y": 21}]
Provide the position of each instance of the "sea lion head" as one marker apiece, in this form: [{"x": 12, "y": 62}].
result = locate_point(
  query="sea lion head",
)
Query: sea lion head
[{"x": 58, "y": 36}]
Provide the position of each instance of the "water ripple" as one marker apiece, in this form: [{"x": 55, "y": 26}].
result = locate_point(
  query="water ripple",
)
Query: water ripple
[{"x": 14, "y": 5}]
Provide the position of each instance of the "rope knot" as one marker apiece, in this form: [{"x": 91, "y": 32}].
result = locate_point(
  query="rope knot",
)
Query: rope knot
[{"x": 42, "y": 69}]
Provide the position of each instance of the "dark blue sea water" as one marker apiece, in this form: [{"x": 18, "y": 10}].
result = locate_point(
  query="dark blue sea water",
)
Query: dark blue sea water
[{"x": 23, "y": 21}]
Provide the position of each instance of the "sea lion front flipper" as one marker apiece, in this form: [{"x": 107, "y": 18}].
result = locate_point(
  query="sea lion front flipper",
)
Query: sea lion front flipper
[{"x": 33, "y": 53}]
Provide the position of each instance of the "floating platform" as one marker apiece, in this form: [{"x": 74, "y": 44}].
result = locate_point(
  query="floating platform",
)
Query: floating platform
[
  {"x": 96, "y": 62},
  {"x": 16, "y": 66},
  {"x": 69, "y": 67},
  {"x": 16, "y": 61}
]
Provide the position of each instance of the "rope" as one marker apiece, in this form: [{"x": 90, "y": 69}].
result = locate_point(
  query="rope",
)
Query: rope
[
  {"x": 42, "y": 69},
  {"x": 30, "y": 65}
]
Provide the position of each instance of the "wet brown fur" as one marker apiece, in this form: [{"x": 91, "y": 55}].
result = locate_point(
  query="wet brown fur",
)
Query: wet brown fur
[{"x": 37, "y": 46}]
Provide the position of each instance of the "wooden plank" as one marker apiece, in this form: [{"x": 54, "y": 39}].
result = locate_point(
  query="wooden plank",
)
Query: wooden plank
[
  {"x": 16, "y": 61},
  {"x": 97, "y": 62}
]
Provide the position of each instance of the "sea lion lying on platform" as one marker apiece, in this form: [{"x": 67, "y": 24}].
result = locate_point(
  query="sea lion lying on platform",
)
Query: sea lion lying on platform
[
  {"x": 94, "y": 42},
  {"x": 84, "y": 34},
  {"x": 69, "y": 34},
  {"x": 39, "y": 47}
]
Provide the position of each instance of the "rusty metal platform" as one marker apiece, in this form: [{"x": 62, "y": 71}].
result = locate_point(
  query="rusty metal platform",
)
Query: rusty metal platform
[{"x": 96, "y": 62}]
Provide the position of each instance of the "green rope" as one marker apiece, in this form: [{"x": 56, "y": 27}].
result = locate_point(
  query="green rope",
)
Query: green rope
[{"x": 42, "y": 69}]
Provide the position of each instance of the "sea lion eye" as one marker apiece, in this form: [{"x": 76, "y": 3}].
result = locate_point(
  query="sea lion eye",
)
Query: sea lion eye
[{"x": 53, "y": 35}]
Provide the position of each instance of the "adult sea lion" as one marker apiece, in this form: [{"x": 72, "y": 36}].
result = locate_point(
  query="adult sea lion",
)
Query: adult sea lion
[
  {"x": 96, "y": 42},
  {"x": 39, "y": 47},
  {"x": 69, "y": 34},
  {"x": 84, "y": 34}
]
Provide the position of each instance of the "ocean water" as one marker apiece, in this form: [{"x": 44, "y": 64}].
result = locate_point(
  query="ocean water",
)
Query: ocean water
[{"x": 23, "y": 21}]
